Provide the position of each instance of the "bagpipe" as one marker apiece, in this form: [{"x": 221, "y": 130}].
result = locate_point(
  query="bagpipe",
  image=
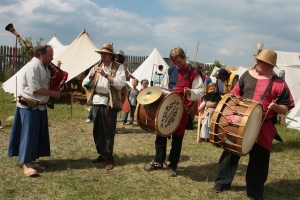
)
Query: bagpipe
[{"x": 10, "y": 28}]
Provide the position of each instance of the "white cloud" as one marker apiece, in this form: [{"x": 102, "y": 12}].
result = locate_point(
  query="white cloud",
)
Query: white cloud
[{"x": 227, "y": 30}]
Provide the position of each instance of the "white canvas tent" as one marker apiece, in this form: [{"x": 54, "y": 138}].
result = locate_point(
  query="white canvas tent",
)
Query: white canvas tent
[
  {"x": 290, "y": 63},
  {"x": 79, "y": 56},
  {"x": 295, "y": 115},
  {"x": 147, "y": 69},
  {"x": 58, "y": 48}
]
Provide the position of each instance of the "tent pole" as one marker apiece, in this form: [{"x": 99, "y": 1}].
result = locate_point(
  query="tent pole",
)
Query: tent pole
[
  {"x": 16, "y": 90},
  {"x": 2, "y": 98},
  {"x": 71, "y": 104}
]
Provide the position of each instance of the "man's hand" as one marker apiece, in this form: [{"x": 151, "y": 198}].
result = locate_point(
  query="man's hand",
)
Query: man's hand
[{"x": 186, "y": 91}]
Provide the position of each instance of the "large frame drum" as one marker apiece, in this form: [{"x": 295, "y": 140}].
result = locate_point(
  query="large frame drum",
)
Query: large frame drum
[
  {"x": 235, "y": 124},
  {"x": 162, "y": 116}
]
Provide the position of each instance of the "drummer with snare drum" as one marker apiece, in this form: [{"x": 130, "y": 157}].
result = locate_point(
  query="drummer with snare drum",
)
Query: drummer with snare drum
[
  {"x": 183, "y": 79},
  {"x": 277, "y": 99}
]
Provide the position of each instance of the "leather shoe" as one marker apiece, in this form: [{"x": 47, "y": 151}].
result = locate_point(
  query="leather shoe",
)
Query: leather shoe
[
  {"x": 109, "y": 163},
  {"x": 98, "y": 159},
  {"x": 219, "y": 188}
]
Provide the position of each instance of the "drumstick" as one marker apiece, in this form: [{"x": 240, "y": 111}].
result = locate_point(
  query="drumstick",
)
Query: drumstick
[{"x": 267, "y": 113}]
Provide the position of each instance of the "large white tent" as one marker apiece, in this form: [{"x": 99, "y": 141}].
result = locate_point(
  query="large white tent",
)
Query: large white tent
[
  {"x": 79, "y": 56},
  {"x": 290, "y": 63},
  {"x": 295, "y": 115},
  {"x": 57, "y": 46},
  {"x": 147, "y": 69}
]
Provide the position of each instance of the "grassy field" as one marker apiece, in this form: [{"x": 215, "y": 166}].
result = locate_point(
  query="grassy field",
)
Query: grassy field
[{"x": 70, "y": 174}]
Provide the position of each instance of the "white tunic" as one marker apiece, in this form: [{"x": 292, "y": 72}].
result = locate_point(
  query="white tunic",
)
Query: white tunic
[
  {"x": 103, "y": 83},
  {"x": 35, "y": 78}
]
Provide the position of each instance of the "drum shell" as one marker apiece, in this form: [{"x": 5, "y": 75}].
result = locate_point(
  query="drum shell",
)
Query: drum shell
[
  {"x": 240, "y": 135},
  {"x": 148, "y": 116}
]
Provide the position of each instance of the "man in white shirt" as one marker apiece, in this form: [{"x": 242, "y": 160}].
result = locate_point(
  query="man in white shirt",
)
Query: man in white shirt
[
  {"x": 109, "y": 77},
  {"x": 29, "y": 137}
]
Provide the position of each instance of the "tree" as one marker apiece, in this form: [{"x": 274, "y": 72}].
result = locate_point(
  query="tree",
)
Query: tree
[
  {"x": 25, "y": 53},
  {"x": 215, "y": 64}
]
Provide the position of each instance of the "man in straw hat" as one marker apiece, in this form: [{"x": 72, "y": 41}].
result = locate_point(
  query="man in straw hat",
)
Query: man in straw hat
[
  {"x": 108, "y": 77},
  {"x": 277, "y": 99}
]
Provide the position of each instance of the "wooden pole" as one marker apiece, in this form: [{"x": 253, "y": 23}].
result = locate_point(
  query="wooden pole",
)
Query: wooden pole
[
  {"x": 196, "y": 53},
  {"x": 199, "y": 113},
  {"x": 71, "y": 104},
  {"x": 2, "y": 98},
  {"x": 16, "y": 97}
]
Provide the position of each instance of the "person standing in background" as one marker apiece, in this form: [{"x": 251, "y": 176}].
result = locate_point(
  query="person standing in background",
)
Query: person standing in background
[
  {"x": 158, "y": 76},
  {"x": 132, "y": 99}
]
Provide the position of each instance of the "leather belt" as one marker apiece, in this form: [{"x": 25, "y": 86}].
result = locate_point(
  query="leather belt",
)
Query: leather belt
[{"x": 101, "y": 94}]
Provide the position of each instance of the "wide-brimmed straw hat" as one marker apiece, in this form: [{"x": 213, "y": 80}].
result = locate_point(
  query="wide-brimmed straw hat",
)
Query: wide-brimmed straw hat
[
  {"x": 268, "y": 56},
  {"x": 107, "y": 48}
]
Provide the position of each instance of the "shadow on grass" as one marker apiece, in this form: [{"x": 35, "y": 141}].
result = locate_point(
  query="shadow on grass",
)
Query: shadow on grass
[
  {"x": 288, "y": 145},
  {"x": 283, "y": 189},
  {"x": 85, "y": 163},
  {"x": 64, "y": 164},
  {"x": 128, "y": 130},
  {"x": 138, "y": 159},
  {"x": 207, "y": 172}
]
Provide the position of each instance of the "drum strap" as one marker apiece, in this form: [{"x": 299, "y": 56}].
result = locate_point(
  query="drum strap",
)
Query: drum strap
[
  {"x": 267, "y": 89},
  {"x": 182, "y": 78}
]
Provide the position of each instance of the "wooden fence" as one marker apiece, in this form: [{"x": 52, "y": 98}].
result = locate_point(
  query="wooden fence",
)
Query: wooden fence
[{"x": 6, "y": 59}]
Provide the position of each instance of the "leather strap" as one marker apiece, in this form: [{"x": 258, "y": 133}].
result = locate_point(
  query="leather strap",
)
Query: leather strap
[
  {"x": 268, "y": 88},
  {"x": 182, "y": 78}
]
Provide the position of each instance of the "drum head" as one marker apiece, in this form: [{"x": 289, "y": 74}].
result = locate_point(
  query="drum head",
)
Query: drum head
[
  {"x": 252, "y": 129},
  {"x": 169, "y": 114}
]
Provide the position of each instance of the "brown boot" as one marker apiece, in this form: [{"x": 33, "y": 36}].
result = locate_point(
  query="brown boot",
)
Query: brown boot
[{"x": 109, "y": 163}]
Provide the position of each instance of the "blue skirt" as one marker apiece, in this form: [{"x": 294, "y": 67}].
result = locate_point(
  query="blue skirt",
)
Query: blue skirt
[{"x": 29, "y": 138}]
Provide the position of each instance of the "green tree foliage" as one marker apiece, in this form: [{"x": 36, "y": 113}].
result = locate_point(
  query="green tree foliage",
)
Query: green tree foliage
[
  {"x": 215, "y": 64},
  {"x": 25, "y": 53}
]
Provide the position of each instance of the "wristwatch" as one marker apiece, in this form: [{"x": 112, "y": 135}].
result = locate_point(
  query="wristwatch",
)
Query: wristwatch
[{"x": 106, "y": 75}]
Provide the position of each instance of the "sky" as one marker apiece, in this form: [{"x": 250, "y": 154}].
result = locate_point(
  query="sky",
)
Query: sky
[{"x": 226, "y": 30}]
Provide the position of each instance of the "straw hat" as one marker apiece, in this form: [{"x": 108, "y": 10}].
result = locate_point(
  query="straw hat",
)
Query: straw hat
[
  {"x": 107, "y": 48},
  {"x": 268, "y": 56}
]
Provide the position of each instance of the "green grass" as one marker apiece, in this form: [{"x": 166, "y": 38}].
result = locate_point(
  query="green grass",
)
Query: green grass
[{"x": 70, "y": 174}]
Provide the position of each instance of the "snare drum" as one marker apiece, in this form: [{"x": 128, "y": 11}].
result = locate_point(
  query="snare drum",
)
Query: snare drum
[
  {"x": 235, "y": 124},
  {"x": 163, "y": 116}
]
